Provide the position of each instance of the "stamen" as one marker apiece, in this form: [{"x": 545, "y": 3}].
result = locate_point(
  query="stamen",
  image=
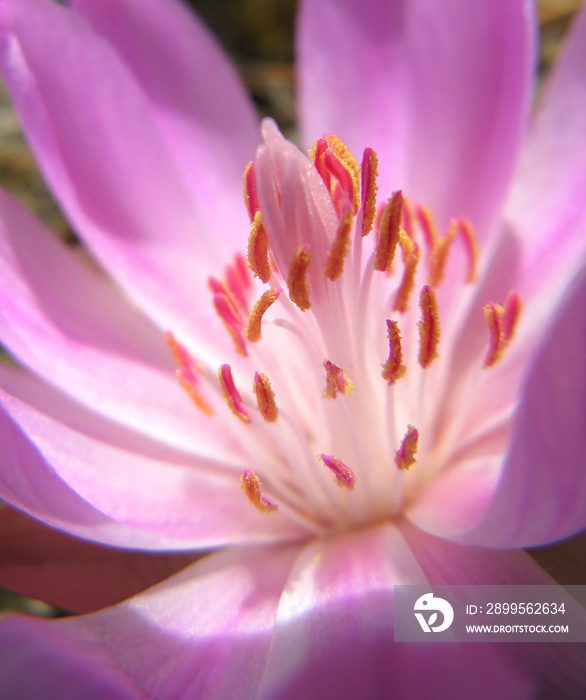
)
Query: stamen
[
  {"x": 337, "y": 381},
  {"x": 238, "y": 281},
  {"x": 253, "y": 329},
  {"x": 388, "y": 232},
  {"x": 339, "y": 248},
  {"x": 369, "y": 174},
  {"x": 394, "y": 369},
  {"x": 250, "y": 484},
  {"x": 427, "y": 222},
  {"x": 258, "y": 250},
  {"x": 250, "y": 191},
  {"x": 231, "y": 393},
  {"x": 410, "y": 251},
  {"x": 408, "y": 220},
  {"x": 187, "y": 372},
  {"x": 265, "y": 397},
  {"x": 405, "y": 455},
  {"x": 297, "y": 278},
  {"x": 502, "y": 322},
  {"x": 439, "y": 254},
  {"x": 232, "y": 322},
  {"x": 466, "y": 231},
  {"x": 344, "y": 475},
  {"x": 331, "y": 157},
  {"x": 429, "y": 327}
]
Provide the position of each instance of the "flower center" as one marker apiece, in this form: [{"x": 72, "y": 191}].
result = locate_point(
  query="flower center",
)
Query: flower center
[{"x": 330, "y": 432}]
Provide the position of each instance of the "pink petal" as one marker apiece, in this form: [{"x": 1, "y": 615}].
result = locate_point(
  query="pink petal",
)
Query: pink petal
[
  {"x": 547, "y": 206},
  {"x": 203, "y": 633},
  {"x": 195, "y": 97},
  {"x": 439, "y": 90},
  {"x": 42, "y": 563},
  {"x": 334, "y": 630},
  {"x": 540, "y": 496},
  {"x": 102, "y": 150},
  {"x": 68, "y": 324},
  {"x": 106, "y": 494}
]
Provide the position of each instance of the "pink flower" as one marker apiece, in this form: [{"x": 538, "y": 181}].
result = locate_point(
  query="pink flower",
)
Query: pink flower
[{"x": 385, "y": 429}]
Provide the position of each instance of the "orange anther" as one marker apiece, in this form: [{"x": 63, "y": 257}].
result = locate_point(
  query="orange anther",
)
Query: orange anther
[
  {"x": 429, "y": 327},
  {"x": 339, "y": 248},
  {"x": 265, "y": 397},
  {"x": 369, "y": 173},
  {"x": 187, "y": 373},
  {"x": 388, "y": 232},
  {"x": 466, "y": 231},
  {"x": 337, "y": 381},
  {"x": 439, "y": 254},
  {"x": 297, "y": 281},
  {"x": 250, "y": 191},
  {"x": 258, "y": 250},
  {"x": 253, "y": 329},
  {"x": 250, "y": 484},
  {"x": 231, "y": 393},
  {"x": 501, "y": 322},
  {"x": 344, "y": 475},
  {"x": 410, "y": 251},
  {"x": 394, "y": 369},
  {"x": 405, "y": 455}
]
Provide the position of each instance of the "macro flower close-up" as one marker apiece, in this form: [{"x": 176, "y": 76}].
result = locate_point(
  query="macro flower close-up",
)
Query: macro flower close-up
[{"x": 276, "y": 380}]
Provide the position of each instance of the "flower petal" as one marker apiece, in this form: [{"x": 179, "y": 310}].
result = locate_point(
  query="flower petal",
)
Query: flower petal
[
  {"x": 439, "y": 90},
  {"x": 539, "y": 498},
  {"x": 334, "y": 630},
  {"x": 205, "y": 116},
  {"x": 71, "y": 574},
  {"x": 68, "y": 324},
  {"x": 203, "y": 633},
  {"x": 547, "y": 207},
  {"x": 100, "y": 147},
  {"x": 106, "y": 494}
]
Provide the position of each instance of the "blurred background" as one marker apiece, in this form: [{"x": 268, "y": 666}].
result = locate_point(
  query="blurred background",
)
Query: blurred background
[{"x": 259, "y": 36}]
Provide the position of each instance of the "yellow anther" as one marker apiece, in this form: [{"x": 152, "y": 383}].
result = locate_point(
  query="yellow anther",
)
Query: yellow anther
[
  {"x": 369, "y": 174},
  {"x": 297, "y": 281},
  {"x": 501, "y": 322},
  {"x": 265, "y": 398},
  {"x": 339, "y": 248},
  {"x": 410, "y": 251},
  {"x": 405, "y": 455},
  {"x": 258, "y": 250},
  {"x": 250, "y": 484},
  {"x": 389, "y": 232},
  {"x": 337, "y": 381},
  {"x": 253, "y": 329},
  {"x": 429, "y": 327},
  {"x": 394, "y": 369}
]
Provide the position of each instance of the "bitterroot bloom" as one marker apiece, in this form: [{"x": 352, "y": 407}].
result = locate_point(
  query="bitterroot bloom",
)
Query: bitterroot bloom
[{"x": 366, "y": 371}]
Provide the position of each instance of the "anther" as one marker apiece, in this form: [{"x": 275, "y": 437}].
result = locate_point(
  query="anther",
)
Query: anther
[
  {"x": 232, "y": 322},
  {"x": 187, "y": 372},
  {"x": 253, "y": 329},
  {"x": 369, "y": 174},
  {"x": 337, "y": 381},
  {"x": 339, "y": 248},
  {"x": 405, "y": 455},
  {"x": 250, "y": 484},
  {"x": 427, "y": 223},
  {"x": 265, "y": 397},
  {"x": 344, "y": 475},
  {"x": 501, "y": 322},
  {"x": 258, "y": 250},
  {"x": 410, "y": 251},
  {"x": 388, "y": 232},
  {"x": 297, "y": 278},
  {"x": 429, "y": 327},
  {"x": 394, "y": 369},
  {"x": 250, "y": 191},
  {"x": 339, "y": 171},
  {"x": 439, "y": 254},
  {"x": 231, "y": 393},
  {"x": 467, "y": 234}
]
